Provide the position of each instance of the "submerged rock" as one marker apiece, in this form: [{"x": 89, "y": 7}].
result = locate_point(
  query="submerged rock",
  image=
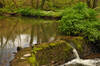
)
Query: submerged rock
[
  {"x": 19, "y": 48},
  {"x": 22, "y": 58},
  {"x": 27, "y": 55}
]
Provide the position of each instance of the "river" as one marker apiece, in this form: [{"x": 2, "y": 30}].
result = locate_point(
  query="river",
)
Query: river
[{"x": 21, "y": 31}]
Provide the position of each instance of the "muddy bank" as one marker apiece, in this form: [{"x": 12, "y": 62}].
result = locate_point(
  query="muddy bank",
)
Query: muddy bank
[{"x": 42, "y": 17}]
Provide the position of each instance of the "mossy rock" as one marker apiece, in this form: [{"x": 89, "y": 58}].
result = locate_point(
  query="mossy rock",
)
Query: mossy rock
[
  {"x": 80, "y": 45},
  {"x": 52, "y": 53}
]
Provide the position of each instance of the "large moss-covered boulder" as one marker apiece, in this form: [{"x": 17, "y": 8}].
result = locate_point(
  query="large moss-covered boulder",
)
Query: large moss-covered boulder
[
  {"x": 51, "y": 53},
  {"x": 59, "y": 52},
  {"x": 54, "y": 53}
]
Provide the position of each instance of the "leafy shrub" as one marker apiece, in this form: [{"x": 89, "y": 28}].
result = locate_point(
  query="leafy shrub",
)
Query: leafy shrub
[{"x": 80, "y": 21}]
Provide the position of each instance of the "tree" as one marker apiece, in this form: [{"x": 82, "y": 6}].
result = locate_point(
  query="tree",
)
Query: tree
[
  {"x": 14, "y": 3},
  {"x": 92, "y": 3},
  {"x": 32, "y": 3},
  {"x": 42, "y": 4},
  {"x": 37, "y": 3},
  {"x": 2, "y": 4},
  {"x": 95, "y": 3}
]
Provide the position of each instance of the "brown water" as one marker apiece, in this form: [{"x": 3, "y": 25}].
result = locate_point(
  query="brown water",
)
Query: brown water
[{"x": 23, "y": 31}]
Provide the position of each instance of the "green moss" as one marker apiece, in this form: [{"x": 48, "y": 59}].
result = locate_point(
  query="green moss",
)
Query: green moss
[
  {"x": 68, "y": 47},
  {"x": 32, "y": 60},
  {"x": 79, "y": 42}
]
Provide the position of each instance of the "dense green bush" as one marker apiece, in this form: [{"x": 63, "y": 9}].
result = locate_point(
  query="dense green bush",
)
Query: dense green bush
[{"x": 80, "y": 21}]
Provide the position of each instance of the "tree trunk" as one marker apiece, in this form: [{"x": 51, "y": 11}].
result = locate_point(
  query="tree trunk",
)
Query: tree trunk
[
  {"x": 32, "y": 3},
  {"x": 1, "y": 5},
  {"x": 37, "y": 4},
  {"x": 95, "y": 3},
  {"x": 14, "y": 3},
  {"x": 92, "y": 3},
  {"x": 42, "y": 4},
  {"x": 89, "y": 3}
]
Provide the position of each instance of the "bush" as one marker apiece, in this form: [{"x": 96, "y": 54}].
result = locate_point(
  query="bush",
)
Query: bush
[{"x": 80, "y": 21}]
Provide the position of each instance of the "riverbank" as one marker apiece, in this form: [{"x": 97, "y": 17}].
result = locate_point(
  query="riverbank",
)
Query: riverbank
[{"x": 30, "y": 12}]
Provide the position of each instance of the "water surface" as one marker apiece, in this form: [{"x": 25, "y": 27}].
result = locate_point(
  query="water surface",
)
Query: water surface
[{"x": 23, "y": 31}]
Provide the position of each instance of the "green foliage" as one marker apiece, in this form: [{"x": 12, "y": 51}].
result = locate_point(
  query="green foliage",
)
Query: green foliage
[
  {"x": 33, "y": 12},
  {"x": 48, "y": 4},
  {"x": 80, "y": 20}
]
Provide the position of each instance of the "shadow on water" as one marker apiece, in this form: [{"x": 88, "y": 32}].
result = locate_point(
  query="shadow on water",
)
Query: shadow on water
[{"x": 24, "y": 32}]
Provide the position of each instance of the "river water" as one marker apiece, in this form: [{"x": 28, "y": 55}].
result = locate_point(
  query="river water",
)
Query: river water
[{"x": 20, "y": 31}]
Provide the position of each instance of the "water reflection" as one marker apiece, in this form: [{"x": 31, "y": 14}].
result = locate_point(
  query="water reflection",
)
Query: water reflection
[{"x": 24, "y": 32}]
